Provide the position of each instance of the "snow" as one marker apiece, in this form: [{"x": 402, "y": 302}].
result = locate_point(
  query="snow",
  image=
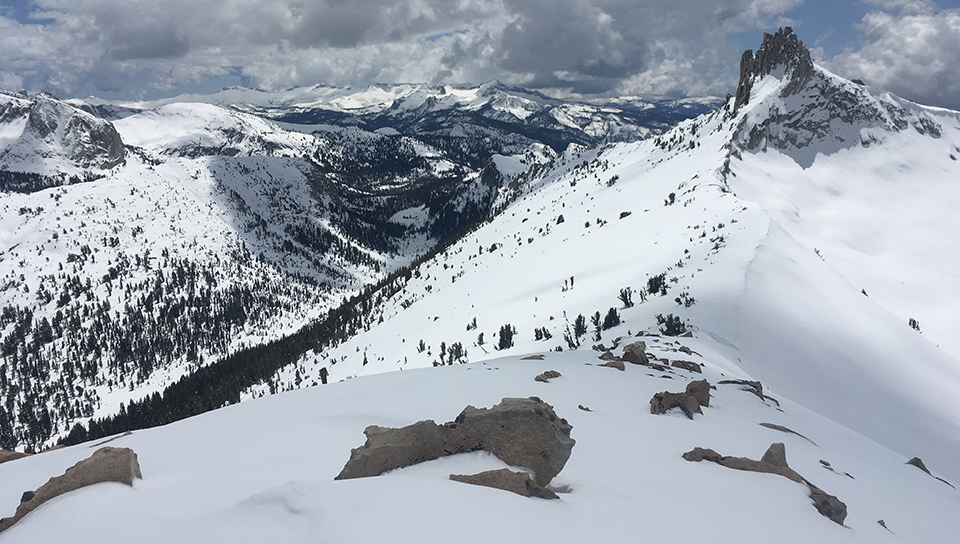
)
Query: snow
[
  {"x": 777, "y": 249},
  {"x": 263, "y": 470}
]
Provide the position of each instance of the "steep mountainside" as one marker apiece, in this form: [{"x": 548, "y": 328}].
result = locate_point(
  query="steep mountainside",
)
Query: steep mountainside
[
  {"x": 217, "y": 230},
  {"x": 808, "y": 292},
  {"x": 777, "y": 247}
]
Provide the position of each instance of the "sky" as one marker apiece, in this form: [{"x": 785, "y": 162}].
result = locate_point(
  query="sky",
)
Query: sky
[{"x": 133, "y": 49}]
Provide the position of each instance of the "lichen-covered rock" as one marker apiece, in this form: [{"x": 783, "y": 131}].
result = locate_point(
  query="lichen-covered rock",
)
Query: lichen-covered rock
[
  {"x": 105, "y": 465},
  {"x": 521, "y": 432},
  {"x": 388, "y": 448},
  {"x": 516, "y": 482}
]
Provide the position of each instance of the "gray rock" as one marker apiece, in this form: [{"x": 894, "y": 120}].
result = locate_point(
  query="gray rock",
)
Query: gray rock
[
  {"x": 829, "y": 506},
  {"x": 105, "y": 465},
  {"x": 781, "y": 49},
  {"x": 636, "y": 353},
  {"x": 516, "y": 482},
  {"x": 774, "y": 461},
  {"x": 700, "y": 390},
  {"x": 776, "y": 455},
  {"x": 919, "y": 464},
  {"x": 521, "y": 432},
  {"x": 665, "y": 401}
]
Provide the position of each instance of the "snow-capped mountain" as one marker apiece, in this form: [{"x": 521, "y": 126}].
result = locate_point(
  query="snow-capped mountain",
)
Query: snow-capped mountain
[
  {"x": 804, "y": 276},
  {"x": 216, "y": 230},
  {"x": 45, "y": 142},
  {"x": 453, "y": 118},
  {"x": 791, "y": 236}
]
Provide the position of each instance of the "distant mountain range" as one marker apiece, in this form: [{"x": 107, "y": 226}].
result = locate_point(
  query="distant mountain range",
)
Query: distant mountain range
[
  {"x": 778, "y": 275},
  {"x": 324, "y": 234},
  {"x": 144, "y": 241}
]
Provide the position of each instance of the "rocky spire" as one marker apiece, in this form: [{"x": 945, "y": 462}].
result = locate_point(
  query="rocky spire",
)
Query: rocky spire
[{"x": 780, "y": 49}]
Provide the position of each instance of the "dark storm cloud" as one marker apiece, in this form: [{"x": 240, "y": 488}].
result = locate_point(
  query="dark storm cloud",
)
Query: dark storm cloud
[{"x": 667, "y": 47}]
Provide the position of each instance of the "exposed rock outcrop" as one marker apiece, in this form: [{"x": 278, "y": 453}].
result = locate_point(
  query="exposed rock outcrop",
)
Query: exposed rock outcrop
[
  {"x": 665, "y": 401},
  {"x": 516, "y": 482},
  {"x": 697, "y": 394},
  {"x": 752, "y": 387},
  {"x": 779, "y": 50},
  {"x": 700, "y": 390},
  {"x": 105, "y": 465},
  {"x": 10, "y": 455},
  {"x": 615, "y": 363},
  {"x": 774, "y": 461},
  {"x": 783, "y": 429},
  {"x": 521, "y": 432},
  {"x": 547, "y": 376},
  {"x": 919, "y": 464},
  {"x": 636, "y": 353},
  {"x": 687, "y": 365}
]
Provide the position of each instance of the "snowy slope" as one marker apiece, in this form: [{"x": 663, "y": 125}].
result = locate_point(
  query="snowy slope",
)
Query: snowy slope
[
  {"x": 220, "y": 230},
  {"x": 263, "y": 470},
  {"x": 767, "y": 220},
  {"x": 45, "y": 136},
  {"x": 732, "y": 242}
]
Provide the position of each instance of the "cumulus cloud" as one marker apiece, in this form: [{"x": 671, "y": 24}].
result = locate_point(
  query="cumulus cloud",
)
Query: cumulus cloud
[
  {"x": 909, "y": 47},
  {"x": 577, "y": 46}
]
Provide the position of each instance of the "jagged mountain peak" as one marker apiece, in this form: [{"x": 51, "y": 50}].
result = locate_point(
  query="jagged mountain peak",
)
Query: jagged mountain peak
[
  {"x": 786, "y": 101},
  {"x": 783, "y": 49}
]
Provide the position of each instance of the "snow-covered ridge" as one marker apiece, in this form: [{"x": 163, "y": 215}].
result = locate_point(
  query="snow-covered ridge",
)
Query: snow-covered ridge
[
  {"x": 219, "y": 230},
  {"x": 43, "y": 135},
  {"x": 446, "y": 109},
  {"x": 810, "y": 293}
]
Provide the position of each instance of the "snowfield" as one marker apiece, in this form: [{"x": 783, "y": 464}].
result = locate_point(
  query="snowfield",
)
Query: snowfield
[{"x": 263, "y": 470}]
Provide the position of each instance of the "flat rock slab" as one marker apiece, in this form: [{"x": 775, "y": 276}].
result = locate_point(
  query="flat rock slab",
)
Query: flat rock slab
[
  {"x": 521, "y": 432},
  {"x": 774, "y": 461},
  {"x": 615, "y": 363},
  {"x": 547, "y": 376},
  {"x": 105, "y": 465},
  {"x": 516, "y": 482}
]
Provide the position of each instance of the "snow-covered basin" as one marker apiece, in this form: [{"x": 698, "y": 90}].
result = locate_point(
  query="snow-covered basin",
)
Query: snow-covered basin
[{"x": 263, "y": 470}]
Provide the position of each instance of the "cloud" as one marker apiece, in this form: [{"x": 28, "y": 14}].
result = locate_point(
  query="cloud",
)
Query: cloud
[
  {"x": 909, "y": 48},
  {"x": 578, "y": 46}
]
